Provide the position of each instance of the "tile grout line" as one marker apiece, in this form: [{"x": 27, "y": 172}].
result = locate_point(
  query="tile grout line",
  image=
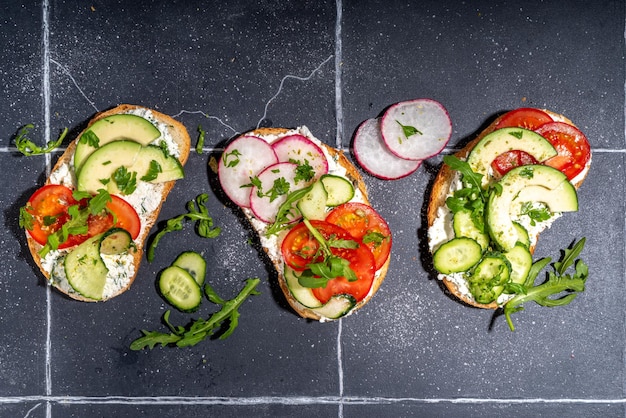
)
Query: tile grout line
[
  {"x": 339, "y": 145},
  {"x": 624, "y": 248},
  {"x": 46, "y": 111}
]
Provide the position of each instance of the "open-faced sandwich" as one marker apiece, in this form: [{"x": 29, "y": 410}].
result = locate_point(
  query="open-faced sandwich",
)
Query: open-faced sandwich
[
  {"x": 87, "y": 226},
  {"x": 310, "y": 208},
  {"x": 492, "y": 199}
]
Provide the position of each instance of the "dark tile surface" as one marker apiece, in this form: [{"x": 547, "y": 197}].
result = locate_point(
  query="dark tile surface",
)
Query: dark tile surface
[{"x": 233, "y": 66}]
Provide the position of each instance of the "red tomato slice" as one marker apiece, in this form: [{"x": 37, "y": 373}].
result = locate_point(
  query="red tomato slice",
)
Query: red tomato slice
[
  {"x": 362, "y": 263},
  {"x": 571, "y": 144},
  {"x": 511, "y": 159},
  {"x": 524, "y": 117},
  {"x": 365, "y": 224},
  {"x": 299, "y": 249},
  {"x": 127, "y": 217},
  {"x": 48, "y": 206}
]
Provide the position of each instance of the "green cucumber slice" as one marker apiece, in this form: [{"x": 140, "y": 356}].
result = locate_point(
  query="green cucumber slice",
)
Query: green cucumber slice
[
  {"x": 457, "y": 255},
  {"x": 85, "y": 270},
  {"x": 302, "y": 294},
  {"x": 180, "y": 289},
  {"x": 521, "y": 261},
  {"x": 194, "y": 264},
  {"x": 115, "y": 241},
  {"x": 464, "y": 227},
  {"x": 336, "y": 307},
  {"x": 313, "y": 204},
  {"x": 339, "y": 189},
  {"x": 487, "y": 280}
]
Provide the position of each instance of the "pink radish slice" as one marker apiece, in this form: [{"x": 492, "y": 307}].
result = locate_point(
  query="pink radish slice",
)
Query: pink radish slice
[
  {"x": 372, "y": 154},
  {"x": 241, "y": 160},
  {"x": 300, "y": 148},
  {"x": 416, "y": 129},
  {"x": 263, "y": 206}
]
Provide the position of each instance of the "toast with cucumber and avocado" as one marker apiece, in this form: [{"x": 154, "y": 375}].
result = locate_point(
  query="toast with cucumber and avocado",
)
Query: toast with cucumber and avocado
[
  {"x": 87, "y": 226},
  {"x": 310, "y": 208},
  {"x": 491, "y": 200}
]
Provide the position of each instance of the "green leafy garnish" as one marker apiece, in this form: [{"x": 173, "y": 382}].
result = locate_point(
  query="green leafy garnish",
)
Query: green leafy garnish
[
  {"x": 90, "y": 138},
  {"x": 153, "y": 171},
  {"x": 331, "y": 267},
  {"x": 126, "y": 181},
  {"x": 286, "y": 210},
  {"x": 559, "y": 289},
  {"x": 28, "y": 147},
  {"x": 536, "y": 214},
  {"x": 472, "y": 196},
  {"x": 200, "y": 143},
  {"x": 197, "y": 212},
  {"x": 304, "y": 170},
  {"x": 200, "y": 329},
  {"x": 409, "y": 130},
  {"x": 231, "y": 159}
]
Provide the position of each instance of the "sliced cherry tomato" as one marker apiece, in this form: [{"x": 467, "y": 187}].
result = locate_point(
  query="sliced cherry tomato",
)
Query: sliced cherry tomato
[
  {"x": 300, "y": 248},
  {"x": 127, "y": 217},
  {"x": 362, "y": 263},
  {"x": 48, "y": 206},
  {"x": 571, "y": 144},
  {"x": 365, "y": 224},
  {"x": 524, "y": 117},
  {"x": 511, "y": 159}
]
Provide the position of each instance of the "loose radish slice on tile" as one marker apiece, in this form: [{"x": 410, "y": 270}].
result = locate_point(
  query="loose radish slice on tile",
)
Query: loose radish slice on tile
[
  {"x": 416, "y": 129},
  {"x": 302, "y": 149},
  {"x": 243, "y": 159},
  {"x": 271, "y": 189},
  {"x": 372, "y": 154}
]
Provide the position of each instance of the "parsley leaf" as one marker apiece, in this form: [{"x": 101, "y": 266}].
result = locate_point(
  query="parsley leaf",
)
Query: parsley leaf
[
  {"x": 126, "y": 181},
  {"x": 409, "y": 130},
  {"x": 200, "y": 143},
  {"x": 153, "y": 171}
]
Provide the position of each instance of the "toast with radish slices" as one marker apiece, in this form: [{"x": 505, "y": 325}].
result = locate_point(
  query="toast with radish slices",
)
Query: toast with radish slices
[
  {"x": 310, "y": 208},
  {"x": 492, "y": 199},
  {"x": 87, "y": 226}
]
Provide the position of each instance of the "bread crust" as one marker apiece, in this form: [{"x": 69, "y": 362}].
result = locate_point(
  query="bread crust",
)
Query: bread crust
[
  {"x": 441, "y": 186},
  {"x": 355, "y": 177},
  {"x": 181, "y": 137}
]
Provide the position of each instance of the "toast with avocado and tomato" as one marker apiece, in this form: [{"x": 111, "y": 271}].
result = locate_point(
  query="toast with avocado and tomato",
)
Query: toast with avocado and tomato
[
  {"x": 87, "y": 226},
  {"x": 310, "y": 208},
  {"x": 492, "y": 199}
]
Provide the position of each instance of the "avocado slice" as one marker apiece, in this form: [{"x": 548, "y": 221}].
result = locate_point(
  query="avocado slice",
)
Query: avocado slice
[
  {"x": 545, "y": 184},
  {"x": 507, "y": 139},
  {"x": 98, "y": 169},
  {"x": 113, "y": 128}
]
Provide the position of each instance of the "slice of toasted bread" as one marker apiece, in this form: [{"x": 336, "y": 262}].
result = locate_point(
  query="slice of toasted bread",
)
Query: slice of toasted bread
[
  {"x": 179, "y": 135},
  {"x": 272, "y": 247},
  {"x": 441, "y": 190}
]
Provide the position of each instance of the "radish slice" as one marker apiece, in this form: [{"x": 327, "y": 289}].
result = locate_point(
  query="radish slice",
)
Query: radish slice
[
  {"x": 302, "y": 149},
  {"x": 372, "y": 153},
  {"x": 273, "y": 185},
  {"x": 241, "y": 160},
  {"x": 416, "y": 129}
]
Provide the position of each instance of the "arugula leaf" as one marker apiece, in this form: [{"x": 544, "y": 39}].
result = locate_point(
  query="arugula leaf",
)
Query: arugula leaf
[
  {"x": 558, "y": 290},
  {"x": 197, "y": 212},
  {"x": 285, "y": 209},
  {"x": 200, "y": 329},
  {"x": 28, "y": 147}
]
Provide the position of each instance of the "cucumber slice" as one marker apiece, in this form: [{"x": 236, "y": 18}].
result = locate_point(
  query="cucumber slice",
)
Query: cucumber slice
[
  {"x": 194, "y": 264},
  {"x": 180, "y": 289},
  {"x": 313, "y": 204},
  {"x": 302, "y": 294},
  {"x": 115, "y": 241},
  {"x": 521, "y": 261},
  {"x": 85, "y": 270},
  {"x": 464, "y": 227},
  {"x": 487, "y": 280},
  {"x": 522, "y": 234},
  {"x": 339, "y": 189},
  {"x": 457, "y": 255},
  {"x": 336, "y": 307}
]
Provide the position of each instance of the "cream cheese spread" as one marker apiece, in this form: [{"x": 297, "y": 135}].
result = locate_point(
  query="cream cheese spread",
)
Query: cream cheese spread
[{"x": 145, "y": 200}]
